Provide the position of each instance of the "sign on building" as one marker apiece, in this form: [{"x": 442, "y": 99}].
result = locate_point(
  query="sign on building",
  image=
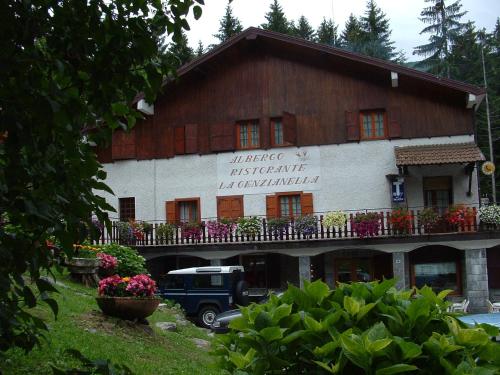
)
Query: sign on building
[
  {"x": 398, "y": 189},
  {"x": 271, "y": 171}
]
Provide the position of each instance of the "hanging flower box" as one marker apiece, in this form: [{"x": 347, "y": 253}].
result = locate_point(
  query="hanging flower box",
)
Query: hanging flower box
[
  {"x": 366, "y": 224},
  {"x": 401, "y": 221},
  {"x": 306, "y": 225},
  {"x": 220, "y": 229},
  {"x": 277, "y": 227}
]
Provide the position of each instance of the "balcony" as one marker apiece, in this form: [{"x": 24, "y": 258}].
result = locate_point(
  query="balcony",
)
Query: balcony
[{"x": 359, "y": 227}]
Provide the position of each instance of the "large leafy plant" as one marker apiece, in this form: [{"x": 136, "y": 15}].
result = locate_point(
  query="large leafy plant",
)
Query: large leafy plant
[
  {"x": 358, "y": 328},
  {"x": 130, "y": 263}
]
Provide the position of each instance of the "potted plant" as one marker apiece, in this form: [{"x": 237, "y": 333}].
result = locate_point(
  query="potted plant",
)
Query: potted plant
[
  {"x": 306, "y": 225},
  {"x": 249, "y": 226},
  {"x": 366, "y": 224},
  {"x": 459, "y": 215},
  {"x": 84, "y": 264},
  {"x": 490, "y": 215},
  {"x": 220, "y": 229},
  {"x": 428, "y": 218},
  {"x": 125, "y": 232},
  {"x": 191, "y": 231},
  {"x": 335, "y": 219},
  {"x": 278, "y": 226},
  {"x": 165, "y": 232},
  {"x": 401, "y": 221},
  {"x": 128, "y": 297}
]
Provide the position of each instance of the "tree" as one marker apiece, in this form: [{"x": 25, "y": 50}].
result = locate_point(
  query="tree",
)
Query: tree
[
  {"x": 303, "y": 29},
  {"x": 69, "y": 73},
  {"x": 276, "y": 19},
  {"x": 444, "y": 27},
  {"x": 376, "y": 33},
  {"x": 179, "y": 52},
  {"x": 200, "y": 49},
  {"x": 327, "y": 33},
  {"x": 229, "y": 25},
  {"x": 352, "y": 35}
]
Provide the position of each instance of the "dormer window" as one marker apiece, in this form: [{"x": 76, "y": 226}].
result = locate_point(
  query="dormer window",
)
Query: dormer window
[
  {"x": 373, "y": 124},
  {"x": 248, "y": 136}
]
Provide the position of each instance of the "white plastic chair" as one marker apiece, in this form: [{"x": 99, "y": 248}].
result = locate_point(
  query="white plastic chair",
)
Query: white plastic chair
[
  {"x": 459, "y": 306},
  {"x": 493, "y": 308}
]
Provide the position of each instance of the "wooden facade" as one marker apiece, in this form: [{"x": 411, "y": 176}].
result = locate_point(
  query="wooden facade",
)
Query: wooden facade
[{"x": 318, "y": 94}]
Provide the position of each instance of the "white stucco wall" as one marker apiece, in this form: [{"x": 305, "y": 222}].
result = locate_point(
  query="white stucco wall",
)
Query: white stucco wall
[{"x": 352, "y": 176}]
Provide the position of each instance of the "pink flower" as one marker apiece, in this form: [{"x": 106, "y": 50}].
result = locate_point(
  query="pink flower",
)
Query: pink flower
[
  {"x": 108, "y": 262},
  {"x": 112, "y": 286},
  {"x": 141, "y": 286}
]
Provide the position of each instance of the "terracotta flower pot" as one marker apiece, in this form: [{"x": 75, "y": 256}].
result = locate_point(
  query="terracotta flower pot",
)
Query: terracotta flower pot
[{"x": 128, "y": 308}]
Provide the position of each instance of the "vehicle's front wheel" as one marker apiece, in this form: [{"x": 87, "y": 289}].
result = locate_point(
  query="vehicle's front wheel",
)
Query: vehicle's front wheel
[{"x": 207, "y": 315}]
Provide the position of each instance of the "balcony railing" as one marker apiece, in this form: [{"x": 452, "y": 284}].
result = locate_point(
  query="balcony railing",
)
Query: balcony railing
[{"x": 154, "y": 234}]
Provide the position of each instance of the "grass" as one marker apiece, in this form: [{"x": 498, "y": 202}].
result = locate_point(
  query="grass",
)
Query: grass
[{"x": 80, "y": 325}]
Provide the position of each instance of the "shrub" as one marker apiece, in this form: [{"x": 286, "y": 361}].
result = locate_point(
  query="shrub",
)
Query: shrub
[
  {"x": 358, "y": 328},
  {"x": 401, "y": 221},
  {"x": 278, "y": 226},
  {"x": 130, "y": 263},
  {"x": 367, "y": 224},
  {"x": 490, "y": 214},
  {"x": 305, "y": 225},
  {"x": 335, "y": 219},
  {"x": 249, "y": 226}
]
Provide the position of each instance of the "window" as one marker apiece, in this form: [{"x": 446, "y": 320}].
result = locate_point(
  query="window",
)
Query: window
[
  {"x": 277, "y": 138},
  {"x": 438, "y": 193},
  {"x": 172, "y": 282},
  {"x": 248, "y": 135},
  {"x": 127, "y": 208},
  {"x": 373, "y": 125},
  {"x": 183, "y": 210},
  {"x": 207, "y": 281},
  {"x": 439, "y": 276},
  {"x": 358, "y": 269},
  {"x": 290, "y": 206}
]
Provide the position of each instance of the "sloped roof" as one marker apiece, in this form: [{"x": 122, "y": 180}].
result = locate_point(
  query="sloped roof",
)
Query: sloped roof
[
  {"x": 438, "y": 154},
  {"x": 253, "y": 33}
]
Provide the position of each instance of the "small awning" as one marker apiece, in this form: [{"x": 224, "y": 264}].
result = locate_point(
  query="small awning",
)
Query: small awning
[{"x": 452, "y": 153}]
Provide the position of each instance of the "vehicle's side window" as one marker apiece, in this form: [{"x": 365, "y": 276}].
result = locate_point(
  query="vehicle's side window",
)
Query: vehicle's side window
[
  {"x": 174, "y": 282},
  {"x": 207, "y": 281}
]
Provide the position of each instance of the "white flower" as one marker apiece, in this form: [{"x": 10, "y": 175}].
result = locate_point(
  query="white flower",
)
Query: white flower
[
  {"x": 490, "y": 214},
  {"x": 335, "y": 219}
]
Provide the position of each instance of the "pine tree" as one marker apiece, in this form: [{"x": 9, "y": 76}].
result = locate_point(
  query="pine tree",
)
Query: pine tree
[
  {"x": 276, "y": 19},
  {"x": 444, "y": 27},
  {"x": 179, "y": 52},
  {"x": 303, "y": 29},
  {"x": 200, "y": 49},
  {"x": 229, "y": 25},
  {"x": 352, "y": 35},
  {"x": 376, "y": 33},
  {"x": 327, "y": 33}
]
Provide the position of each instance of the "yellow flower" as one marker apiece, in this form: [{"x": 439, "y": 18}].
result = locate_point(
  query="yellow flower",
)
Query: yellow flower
[{"x": 126, "y": 279}]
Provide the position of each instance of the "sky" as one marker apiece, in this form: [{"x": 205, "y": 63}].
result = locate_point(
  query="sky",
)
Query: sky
[{"x": 403, "y": 15}]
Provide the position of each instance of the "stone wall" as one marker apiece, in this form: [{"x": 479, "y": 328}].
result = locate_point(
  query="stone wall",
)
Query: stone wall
[{"x": 476, "y": 280}]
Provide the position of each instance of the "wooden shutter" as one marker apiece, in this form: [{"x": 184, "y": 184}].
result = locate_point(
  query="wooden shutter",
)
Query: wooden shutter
[
  {"x": 123, "y": 145},
  {"x": 289, "y": 128},
  {"x": 230, "y": 207},
  {"x": 352, "y": 125},
  {"x": 104, "y": 154},
  {"x": 222, "y": 137},
  {"x": 395, "y": 122},
  {"x": 271, "y": 206},
  {"x": 265, "y": 132},
  {"x": 204, "y": 139},
  {"x": 306, "y": 202},
  {"x": 165, "y": 142},
  {"x": 145, "y": 139},
  {"x": 191, "y": 132},
  {"x": 170, "y": 210},
  {"x": 179, "y": 140}
]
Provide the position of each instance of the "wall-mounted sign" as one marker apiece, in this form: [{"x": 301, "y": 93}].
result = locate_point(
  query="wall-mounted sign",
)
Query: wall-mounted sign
[
  {"x": 398, "y": 189},
  {"x": 268, "y": 171}
]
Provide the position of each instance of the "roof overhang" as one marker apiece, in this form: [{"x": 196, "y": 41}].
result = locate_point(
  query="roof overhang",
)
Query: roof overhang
[{"x": 451, "y": 153}]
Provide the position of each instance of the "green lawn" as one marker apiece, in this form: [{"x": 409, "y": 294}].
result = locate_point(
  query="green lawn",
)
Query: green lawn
[{"x": 81, "y": 325}]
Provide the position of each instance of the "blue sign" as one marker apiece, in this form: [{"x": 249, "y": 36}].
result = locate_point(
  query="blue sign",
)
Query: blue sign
[{"x": 398, "y": 190}]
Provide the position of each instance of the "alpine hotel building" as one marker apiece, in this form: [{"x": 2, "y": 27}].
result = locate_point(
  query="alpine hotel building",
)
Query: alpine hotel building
[{"x": 273, "y": 126}]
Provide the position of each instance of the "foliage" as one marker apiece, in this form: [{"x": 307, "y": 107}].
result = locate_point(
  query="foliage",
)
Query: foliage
[
  {"x": 108, "y": 262},
  {"x": 85, "y": 251},
  {"x": 303, "y": 29},
  {"x": 125, "y": 232},
  {"x": 335, "y": 219},
  {"x": 351, "y": 37},
  {"x": 490, "y": 214},
  {"x": 220, "y": 229},
  {"x": 104, "y": 367},
  {"x": 278, "y": 226},
  {"x": 428, "y": 218},
  {"x": 191, "y": 231},
  {"x": 358, "y": 328},
  {"x": 179, "y": 52},
  {"x": 276, "y": 19},
  {"x": 129, "y": 261},
  {"x": 166, "y": 231},
  {"x": 401, "y": 221},
  {"x": 249, "y": 226},
  {"x": 200, "y": 49},
  {"x": 444, "y": 26},
  {"x": 229, "y": 25},
  {"x": 327, "y": 33},
  {"x": 306, "y": 225},
  {"x": 366, "y": 224},
  {"x": 69, "y": 71}
]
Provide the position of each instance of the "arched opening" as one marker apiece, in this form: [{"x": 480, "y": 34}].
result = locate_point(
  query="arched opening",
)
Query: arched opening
[
  {"x": 160, "y": 266},
  {"x": 439, "y": 267}
]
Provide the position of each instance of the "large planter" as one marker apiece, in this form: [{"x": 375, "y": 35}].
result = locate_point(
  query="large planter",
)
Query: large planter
[
  {"x": 84, "y": 270},
  {"x": 128, "y": 308}
]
